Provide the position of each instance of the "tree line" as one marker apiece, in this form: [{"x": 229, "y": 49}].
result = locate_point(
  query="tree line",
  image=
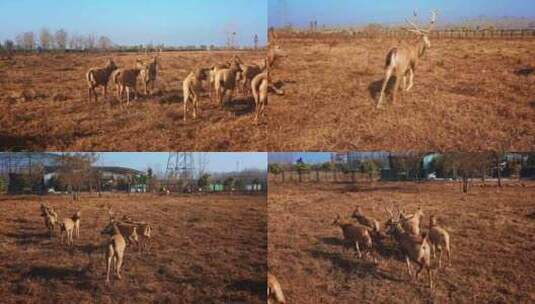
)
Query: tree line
[
  {"x": 47, "y": 40},
  {"x": 461, "y": 166},
  {"x": 61, "y": 40}
]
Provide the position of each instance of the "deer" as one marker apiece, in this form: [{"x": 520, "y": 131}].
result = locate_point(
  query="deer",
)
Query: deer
[
  {"x": 99, "y": 77},
  {"x": 357, "y": 235},
  {"x": 115, "y": 248},
  {"x": 439, "y": 239},
  {"x": 148, "y": 73},
  {"x": 259, "y": 87},
  {"x": 225, "y": 81},
  {"x": 365, "y": 220},
  {"x": 411, "y": 223},
  {"x": 192, "y": 87},
  {"x": 403, "y": 58},
  {"x": 68, "y": 225},
  {"x": 50, "y": 217},
  {"x": 274, "y": 290},
  {"x": 415, "y": 248},
  {"x": 126, "y": 80},
  {"x": 145, "y": 232}
]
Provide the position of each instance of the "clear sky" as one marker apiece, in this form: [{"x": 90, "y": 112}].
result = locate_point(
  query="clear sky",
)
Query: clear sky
[
  {"x": 128, "y": 22},
  {"x": 308, "y": 157},
  {"x": 216, "y": 161},
  {"x": 359, "y": 12}
]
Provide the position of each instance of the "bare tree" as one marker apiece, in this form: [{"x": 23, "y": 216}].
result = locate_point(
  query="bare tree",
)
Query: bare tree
[
  {"x": 104, "y": 43},
  {"x": 25, "y": 41},
  {"x": 9, "y": 45},
  {"x": 75, "y": 171},
  {"x": 466, "y": 164},
  {"x": 202, "y": 163},
  {"x": 46, "y": 39},
  {"x": 60, "y": 38},
  {"x": 89, "y": 42}
]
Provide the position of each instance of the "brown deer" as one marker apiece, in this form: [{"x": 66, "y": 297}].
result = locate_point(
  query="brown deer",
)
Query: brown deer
[
  {"x": 415, "y": 248},
  {"x": 402, "y": 59},
  {"x": 274, "y": 290}
]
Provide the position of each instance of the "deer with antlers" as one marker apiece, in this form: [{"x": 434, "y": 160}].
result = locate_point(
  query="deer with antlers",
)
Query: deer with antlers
[{"x": 402, "y": 59}]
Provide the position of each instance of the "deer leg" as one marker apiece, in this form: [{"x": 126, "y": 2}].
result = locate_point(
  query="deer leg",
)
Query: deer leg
[
  {"x": 396, "y": 88},
  {"x": 358, "y": 250},
  {"x": 105, "y": 90},
  {"x": 419, "y": 270},
  {"x": 89, "y": 93},
  {"x": 118, "y": 266},
  {"x": 109, "y": 262},
  {"x": 185, "y": 106},
  {"x": 195, "y": 102},
  {"x": 408, "y": 266},
  {"x": 430, "y": 273},
  {"x": 440, "y": 258},
  {"x": 383, "y": 88},
  {"x": 411, "y": 79}
]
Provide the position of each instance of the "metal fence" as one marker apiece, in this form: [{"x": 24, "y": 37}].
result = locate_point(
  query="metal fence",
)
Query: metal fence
[{"x": 400, "y": 33}]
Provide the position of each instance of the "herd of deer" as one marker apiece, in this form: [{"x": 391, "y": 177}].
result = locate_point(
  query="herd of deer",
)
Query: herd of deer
[
  {"x": 121, "y": 232},
  {"x": 224, "y": 78},
  {"x": 365, "y": 233},
  {"x": 221, "y": 79}
]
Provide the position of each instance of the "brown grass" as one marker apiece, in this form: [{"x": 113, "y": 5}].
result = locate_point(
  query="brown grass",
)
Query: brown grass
[
  {"x": 466, "y": 96},
  {"x": 44, "y": 107},
  {"x": 491, "y": 235},
  {"x": 207, "y": 249}
]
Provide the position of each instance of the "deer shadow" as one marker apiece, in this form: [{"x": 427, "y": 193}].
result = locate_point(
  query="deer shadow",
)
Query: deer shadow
[
  {"x": 170, "y": 97},
  {"x": 332, "y": 241},
  {"x": 359, "y": 268},
  {"x": 79, "y": 279},
  {"x": 257, "y": 288},
  {"x": 25, "y": 237},
  {"x": 240, "y": 106},
  {"x": 89, "y": 249},
  {"x": 21, "y": 221},
  {"x": 56, "y": 272},
  {"x": 524, "y": 71},
  {"x": 381, "y": 246},
  {"x": 374, "y": 88}
]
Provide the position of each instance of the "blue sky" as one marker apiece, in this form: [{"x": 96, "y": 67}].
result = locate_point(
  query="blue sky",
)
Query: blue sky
[
  {"x": 308, "y": 157},
  {"x": 172, "y": 22},
  {"x": 217, "y": 161},
  {"x": 358, "y": 12}
]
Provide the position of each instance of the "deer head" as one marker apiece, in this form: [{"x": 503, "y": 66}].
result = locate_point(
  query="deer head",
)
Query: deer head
[{"x": 418, "y": 30}]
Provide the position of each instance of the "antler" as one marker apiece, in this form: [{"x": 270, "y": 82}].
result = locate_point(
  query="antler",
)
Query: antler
[
  {"x": 433, "y": 19},
  {"x": 417, "y": 29}
]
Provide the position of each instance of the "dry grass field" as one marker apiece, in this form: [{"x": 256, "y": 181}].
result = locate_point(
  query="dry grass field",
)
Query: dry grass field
[
  {"x": 467, "y": 94},
  {"x": 205, "y": 249},
  {"x": 43, "y": 106},
  {"x": 492, "y": 235}
]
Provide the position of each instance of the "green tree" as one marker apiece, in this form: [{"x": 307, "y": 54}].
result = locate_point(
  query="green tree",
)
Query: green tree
[
  {"x": 327, "y": 166},
  {"x": 274, "y": 169},
  {"x": 228, "y": 183},
  {"x": 238, "y": 184},
  {"x": 3, "y": 184},
  {"x": 301, "y": 168},
  {"x": 203, "y": 181},
  {"x": 369, "y": 167}
]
